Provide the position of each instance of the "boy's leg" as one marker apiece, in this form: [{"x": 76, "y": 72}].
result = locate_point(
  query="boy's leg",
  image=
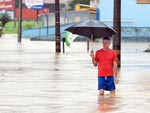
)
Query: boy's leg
[
  {"x": 112, "y": 92},
  {"x": 111, "y": 85},
  {"x": 101, "y": 85},
  {"x": 101, "y": 92}
]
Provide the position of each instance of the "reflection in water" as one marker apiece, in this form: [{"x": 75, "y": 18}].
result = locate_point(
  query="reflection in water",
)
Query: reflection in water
[
  {"x": 56, "y": 62},
  {"x": 107, "y": 103}
]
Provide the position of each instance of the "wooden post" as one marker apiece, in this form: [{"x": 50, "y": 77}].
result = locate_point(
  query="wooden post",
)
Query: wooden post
[
  {"x": 117, "y": 27},
  {"x": 57, "y": 27},
  {"x": 63, "y": 41},
  {"x": 20, "y": 22}
]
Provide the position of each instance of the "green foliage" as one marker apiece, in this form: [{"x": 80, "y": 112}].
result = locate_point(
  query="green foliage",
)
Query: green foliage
[
  {"x": 4, "y": 18},
  {"x": 16, "y": 3},
  {"x": 11, "y": 29},
  {"x": 62, "y": 5},
  {"x": 74, "y": 2},
  {"x": 29, "y": 25}
]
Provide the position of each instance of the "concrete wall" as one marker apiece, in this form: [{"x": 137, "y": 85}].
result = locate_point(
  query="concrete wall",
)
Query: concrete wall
[{"x": 135, "y": 34}]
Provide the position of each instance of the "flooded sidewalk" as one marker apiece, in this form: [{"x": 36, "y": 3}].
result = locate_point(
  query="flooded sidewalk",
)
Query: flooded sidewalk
[{"x": 33, "y": 79}]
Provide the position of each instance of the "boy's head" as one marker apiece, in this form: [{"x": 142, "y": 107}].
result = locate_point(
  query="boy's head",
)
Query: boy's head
[
  {"x": 106, "y": 38},
  {"x": 106, "y": 42}
]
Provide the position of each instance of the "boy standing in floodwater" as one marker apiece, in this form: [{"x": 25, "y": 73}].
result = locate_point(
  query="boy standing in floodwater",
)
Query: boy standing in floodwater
[{"x": 106, "y": 60}]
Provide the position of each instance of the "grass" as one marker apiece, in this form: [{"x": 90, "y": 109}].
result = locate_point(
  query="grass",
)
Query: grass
[
  {"x": 12, "y": 27},
  {"x": 9, "y": 28}
]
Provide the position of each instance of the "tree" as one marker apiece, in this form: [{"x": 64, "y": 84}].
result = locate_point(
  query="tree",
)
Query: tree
[
  {"x": 4, "y": 18},
  {"x": 16, "y": 3},
  {"x": 74, "y": 2}
]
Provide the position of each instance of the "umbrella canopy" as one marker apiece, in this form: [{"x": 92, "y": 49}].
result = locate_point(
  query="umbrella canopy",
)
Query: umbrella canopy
[{"x": 92, "y": 29}]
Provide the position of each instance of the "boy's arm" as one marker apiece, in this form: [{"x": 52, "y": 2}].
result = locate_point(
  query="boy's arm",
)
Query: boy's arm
[
  {"x": 115, "y": 67},
  {"x": 95, "y": 63}
]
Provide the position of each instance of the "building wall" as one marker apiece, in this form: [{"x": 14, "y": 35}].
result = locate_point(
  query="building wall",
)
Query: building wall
[
  {"x": 132, "y": 14},
  {"x": 30, "y": 14},
  {"x": 51, "y": 1}
]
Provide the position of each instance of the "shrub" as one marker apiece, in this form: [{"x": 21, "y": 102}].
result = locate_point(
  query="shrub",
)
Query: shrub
[
  {"x": 148, "y": 49},
  {"x": 29, "y": 25},
  {"x": 4, "y": 18}
]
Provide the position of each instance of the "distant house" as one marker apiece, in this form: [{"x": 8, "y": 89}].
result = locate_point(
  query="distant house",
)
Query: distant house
[
  {"x": 52, "y": 1},
  {"x": 7, "y": 6},
  {"x": 51, "y": 4},
  {"x": 49, "y": 7},
  {"x": 28, "y": 14},
  {"x": 135, "y": 19},
  {"x": 132, "y": 14}
]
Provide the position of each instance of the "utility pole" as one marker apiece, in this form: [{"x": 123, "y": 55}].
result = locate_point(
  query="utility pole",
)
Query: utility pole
[
  {"x": 20, "y": 21},
  {"x": 117, "y": 27},
  {"x": 14, "y": 14},
  {"x": 57, "y": 27}
]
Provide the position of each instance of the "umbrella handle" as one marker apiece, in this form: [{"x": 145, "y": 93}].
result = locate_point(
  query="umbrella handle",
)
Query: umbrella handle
[{"x": 92, "y": 43}]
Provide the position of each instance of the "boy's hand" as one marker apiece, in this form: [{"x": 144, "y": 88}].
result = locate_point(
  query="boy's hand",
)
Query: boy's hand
[
  {"x": 116, "y": 80},
  {"x": 92, "y": 54}
]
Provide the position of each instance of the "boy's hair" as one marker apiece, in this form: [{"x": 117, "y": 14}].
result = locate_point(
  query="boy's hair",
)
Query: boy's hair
[{"x": 106, "y": 38}]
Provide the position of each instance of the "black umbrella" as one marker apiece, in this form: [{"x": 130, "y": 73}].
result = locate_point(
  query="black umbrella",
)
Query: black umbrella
[{"x": 92, "y": 29}]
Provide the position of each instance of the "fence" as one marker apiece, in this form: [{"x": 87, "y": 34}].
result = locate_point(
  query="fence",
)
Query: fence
[
  {"x": 66, "y": 17},
  {"x": 135, "y": 34}
]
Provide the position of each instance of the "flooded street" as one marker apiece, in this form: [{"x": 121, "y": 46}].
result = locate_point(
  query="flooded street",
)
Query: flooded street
[{"x": 33, "y": 79}]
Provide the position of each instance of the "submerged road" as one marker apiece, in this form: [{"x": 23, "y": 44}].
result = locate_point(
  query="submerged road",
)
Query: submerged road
[{"x": 33, "y": 79}]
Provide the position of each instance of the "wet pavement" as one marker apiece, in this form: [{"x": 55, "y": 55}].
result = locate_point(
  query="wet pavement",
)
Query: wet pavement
[{"x": 33, "y": 79}]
